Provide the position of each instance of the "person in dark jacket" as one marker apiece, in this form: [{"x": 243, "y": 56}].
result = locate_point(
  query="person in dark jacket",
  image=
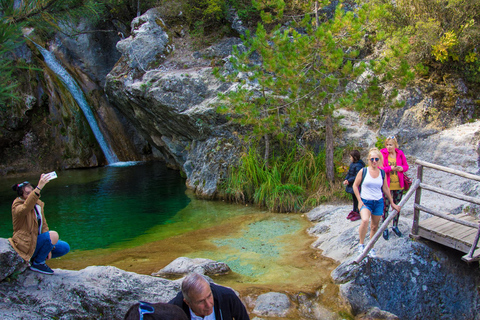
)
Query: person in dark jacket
[
  {"x": 203, "y": 300},
  {"x": 355, "y": 166}
]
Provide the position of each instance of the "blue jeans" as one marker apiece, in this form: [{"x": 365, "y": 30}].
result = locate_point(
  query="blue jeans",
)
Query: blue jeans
[{"x": 44, "y": 246}]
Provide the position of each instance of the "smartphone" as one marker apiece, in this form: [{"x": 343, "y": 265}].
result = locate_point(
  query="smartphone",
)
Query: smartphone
[{"x": 52, "y": 175}]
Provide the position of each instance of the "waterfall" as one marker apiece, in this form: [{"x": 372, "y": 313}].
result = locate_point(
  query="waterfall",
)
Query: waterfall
[{"x": 78, "y": 95}]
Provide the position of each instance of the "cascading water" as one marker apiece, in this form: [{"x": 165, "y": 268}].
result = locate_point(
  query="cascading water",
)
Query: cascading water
[{"x": 78, "y": 95}]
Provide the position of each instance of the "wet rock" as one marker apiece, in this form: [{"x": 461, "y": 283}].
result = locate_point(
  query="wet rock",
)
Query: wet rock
[
  {"x": 272, "y": 304},
  {"x": 183, "y": 266}
]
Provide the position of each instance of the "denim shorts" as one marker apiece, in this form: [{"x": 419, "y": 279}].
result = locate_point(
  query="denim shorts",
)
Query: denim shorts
[{"x": 375, "y": 206}]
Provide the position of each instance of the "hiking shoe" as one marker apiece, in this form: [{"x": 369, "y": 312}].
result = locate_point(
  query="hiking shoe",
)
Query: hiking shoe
[
  {"x": 397, "y": 232},
  {"x": 361, "y": 248},
  {"x": 372, "y": 253},
  {"x": 355, "y": 217},
  {"x": 385, "y": 234},
  {"x": 42, "y": 268}
]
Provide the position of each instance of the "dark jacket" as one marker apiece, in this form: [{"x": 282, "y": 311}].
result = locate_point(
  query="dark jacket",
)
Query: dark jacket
[
  {"x": 226, "y": 304},
  {"x": 354, "y": 168}
]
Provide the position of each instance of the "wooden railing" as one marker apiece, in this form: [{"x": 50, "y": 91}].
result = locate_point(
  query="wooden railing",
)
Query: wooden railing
[
  {"x": 416, "y": 188},
  {"x": 418, "y": 207}
]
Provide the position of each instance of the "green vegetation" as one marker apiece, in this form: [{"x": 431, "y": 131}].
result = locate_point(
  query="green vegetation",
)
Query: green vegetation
[
  {"x": 294, "y": 181},
  {"x": 444, "y": 35},
  {"x": 305, "y": 75}
]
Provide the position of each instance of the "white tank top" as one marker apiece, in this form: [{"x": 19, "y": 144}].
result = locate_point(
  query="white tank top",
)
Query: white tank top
[{"x": 371, "y": 188}]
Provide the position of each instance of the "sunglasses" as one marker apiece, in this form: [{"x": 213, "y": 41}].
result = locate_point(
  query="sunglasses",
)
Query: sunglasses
[
  {"x": 24, "y": 183},
  {"x": 145, "y": 308},
  {"x": 392, "y": 137},
  {"x": 374, "y": 159}
]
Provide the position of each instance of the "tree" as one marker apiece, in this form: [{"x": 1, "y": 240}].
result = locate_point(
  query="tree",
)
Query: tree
[{"x": 309, "y": 69}]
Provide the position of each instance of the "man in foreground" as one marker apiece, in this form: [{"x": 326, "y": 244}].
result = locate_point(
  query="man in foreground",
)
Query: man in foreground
[{"x": 203, "y": 300}]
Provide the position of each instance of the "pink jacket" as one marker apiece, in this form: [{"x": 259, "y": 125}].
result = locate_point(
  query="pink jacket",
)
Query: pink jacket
[{"x": 401, "y": 161}]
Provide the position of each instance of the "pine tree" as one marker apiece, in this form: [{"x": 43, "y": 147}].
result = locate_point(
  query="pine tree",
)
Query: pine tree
[{"x": 309, "y": 69}]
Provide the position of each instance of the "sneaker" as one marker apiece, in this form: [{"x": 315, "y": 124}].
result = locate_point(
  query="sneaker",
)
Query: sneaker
[
  {"x": 350, "y": 215},
  {"x": 355, "y": 217},
  {"x": 42, "y": 268},
  {"x": 385, "y": 234},
  {"x": 372, "y": 253},
  {"x": 397, "y": 232},
  {"x": 361, "y": 248}
]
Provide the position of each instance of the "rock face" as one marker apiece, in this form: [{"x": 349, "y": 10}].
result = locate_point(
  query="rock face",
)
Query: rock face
[
  {"x": 10, "y": 261},
  {"x": 171, "y": 106},
  {"x": 409, "y": 279}
]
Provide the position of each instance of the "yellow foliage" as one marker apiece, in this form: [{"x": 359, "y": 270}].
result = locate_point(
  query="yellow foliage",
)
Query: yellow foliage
[
  {"x": 442, "y": 50},
  {"x": 471, "y": 57}
]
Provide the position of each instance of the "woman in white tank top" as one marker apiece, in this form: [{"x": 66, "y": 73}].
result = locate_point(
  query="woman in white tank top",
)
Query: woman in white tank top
[{"x": 370, "y": 197}]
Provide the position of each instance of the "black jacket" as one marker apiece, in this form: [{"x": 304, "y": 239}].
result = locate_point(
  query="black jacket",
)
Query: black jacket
[
  {"x": 352, "y": 173},
  {"x": 226, "y": 304}
]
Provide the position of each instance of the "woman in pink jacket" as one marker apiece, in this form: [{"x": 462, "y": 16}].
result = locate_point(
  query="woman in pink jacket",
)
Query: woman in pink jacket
[{"x": 394, "y": 164}]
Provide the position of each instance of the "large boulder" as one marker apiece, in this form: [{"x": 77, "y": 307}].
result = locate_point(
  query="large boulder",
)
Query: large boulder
[
  {"x": 10, "y": 262},
  {"x": 91, "y": 293}
]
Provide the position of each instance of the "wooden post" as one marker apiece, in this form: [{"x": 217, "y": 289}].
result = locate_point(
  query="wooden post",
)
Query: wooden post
[
  {"x": 474, "y": 245},
  {"x": 418, "y": 195}
]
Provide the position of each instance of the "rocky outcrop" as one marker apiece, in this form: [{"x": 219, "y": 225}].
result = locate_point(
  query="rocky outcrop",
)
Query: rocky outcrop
[
  {"x": 409, "y": 279},
  {"x": 174, "y": 108}
]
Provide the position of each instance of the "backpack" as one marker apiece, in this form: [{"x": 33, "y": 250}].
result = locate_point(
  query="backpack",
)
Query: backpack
[{"x": 364, "y": 174}]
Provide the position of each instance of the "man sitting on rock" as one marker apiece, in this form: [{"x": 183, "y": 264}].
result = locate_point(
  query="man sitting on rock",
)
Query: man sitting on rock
[{"x": 203, "y": 300}]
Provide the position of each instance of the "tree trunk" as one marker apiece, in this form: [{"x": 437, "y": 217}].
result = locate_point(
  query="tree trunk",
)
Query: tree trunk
[
  {"x": 267, "y": 148},
  {"x": 329, "y": 148}
]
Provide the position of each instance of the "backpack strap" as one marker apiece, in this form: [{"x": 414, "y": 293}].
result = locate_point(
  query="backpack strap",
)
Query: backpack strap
[{"x": 364, "y": 174}]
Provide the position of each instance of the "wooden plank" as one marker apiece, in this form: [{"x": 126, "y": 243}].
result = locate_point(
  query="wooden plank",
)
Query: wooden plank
[
  {"x": 444, "y": 240},
  {"x": 445, "y": 216},
  {"x": 433, "y": 223},
  {"x": 455, "y": 231}
]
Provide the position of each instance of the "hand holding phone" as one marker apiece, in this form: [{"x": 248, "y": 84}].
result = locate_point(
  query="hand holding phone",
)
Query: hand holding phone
[{"x": 52, "y": 175}]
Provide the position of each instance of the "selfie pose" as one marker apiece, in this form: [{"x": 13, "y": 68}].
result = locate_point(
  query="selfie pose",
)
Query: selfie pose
[{"x": 32, "y": 239}]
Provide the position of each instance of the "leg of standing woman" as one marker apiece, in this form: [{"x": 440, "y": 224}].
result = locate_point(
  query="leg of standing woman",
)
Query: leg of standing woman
[
  {"x": 362, "y": 230},
  {"x": 397, "y": 196},
  {"x": 355, "y": 203},
  {"x": 374, "y": 225},
  {"x": 386, "y": 206}
]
